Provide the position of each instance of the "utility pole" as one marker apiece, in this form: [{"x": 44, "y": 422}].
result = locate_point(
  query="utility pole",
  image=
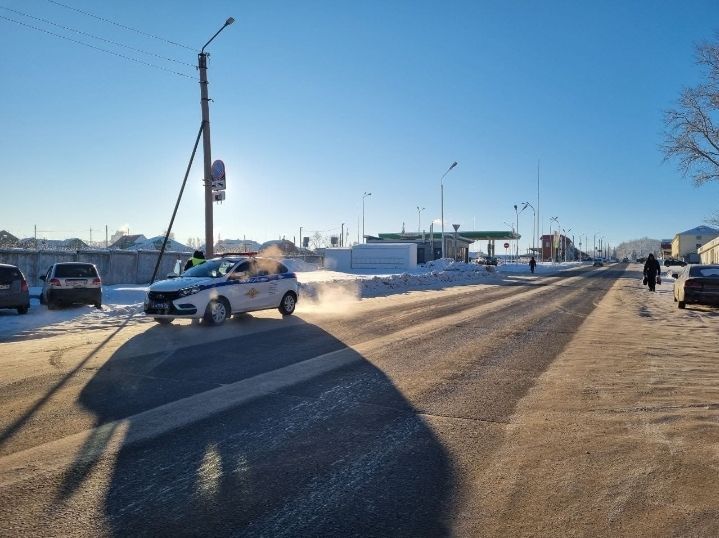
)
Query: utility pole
[{"x": 206, "y": 146}]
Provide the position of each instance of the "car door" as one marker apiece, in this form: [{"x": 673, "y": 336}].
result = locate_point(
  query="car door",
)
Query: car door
[
  {"x": 241, "y": 290},
  {"x": 260, "y": 281}
]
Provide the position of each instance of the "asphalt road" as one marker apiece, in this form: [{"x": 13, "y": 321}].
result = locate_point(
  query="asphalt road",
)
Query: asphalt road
[{"x": 378, "y": 420}]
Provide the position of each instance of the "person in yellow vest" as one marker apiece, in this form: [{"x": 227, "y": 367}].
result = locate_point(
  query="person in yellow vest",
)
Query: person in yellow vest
[{"x": 197, "y": 258}]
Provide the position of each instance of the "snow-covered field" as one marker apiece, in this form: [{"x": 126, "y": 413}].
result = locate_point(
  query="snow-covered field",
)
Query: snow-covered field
[{"x": 124, "y": 301}]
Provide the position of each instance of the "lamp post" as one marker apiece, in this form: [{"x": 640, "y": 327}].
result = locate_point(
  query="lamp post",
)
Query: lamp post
[
  {"x": 365, "y": 195},
  {"x": 516, "y": 246},
  {"x": 206, "y": 147},
  {"x": 512, "y": 227},
  {"x": 441, "y": 189},
  {"x": 559, "y": 227},
  {"x": 534, "y": 222},
  {"x": 564, "y": 242},
  {"x": 419, "y": 222}
]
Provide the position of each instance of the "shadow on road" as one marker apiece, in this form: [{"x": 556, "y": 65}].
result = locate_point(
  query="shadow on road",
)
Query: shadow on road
[{"x": 340, "y": 453}]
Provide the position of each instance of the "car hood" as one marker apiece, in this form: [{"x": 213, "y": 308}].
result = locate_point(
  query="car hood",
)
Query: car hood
[{"x": 174, "y": 284}]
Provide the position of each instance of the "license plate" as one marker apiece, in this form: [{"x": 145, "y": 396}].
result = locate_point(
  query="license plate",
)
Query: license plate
[
  {"x": 75, "y": 283},
  {"x": 158, "y": 306},
  {"x": 4, "y": 286}
]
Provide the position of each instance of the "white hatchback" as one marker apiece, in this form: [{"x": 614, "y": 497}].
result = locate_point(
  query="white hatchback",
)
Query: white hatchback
[{"x": 220, "y": 287}]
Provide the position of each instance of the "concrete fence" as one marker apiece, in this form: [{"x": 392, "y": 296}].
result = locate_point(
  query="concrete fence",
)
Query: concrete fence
[{"x": 115, "y": 266}]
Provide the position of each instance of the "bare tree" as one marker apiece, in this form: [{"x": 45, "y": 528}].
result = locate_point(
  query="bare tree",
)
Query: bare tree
[
  {"x": 318, "y": 241},
  {"x": 692, "y": 135}
]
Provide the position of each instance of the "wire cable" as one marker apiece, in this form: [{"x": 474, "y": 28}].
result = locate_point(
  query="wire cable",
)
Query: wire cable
[
  {"x": 120, "y": 25},
  {"x": 70, "y": 29},
  {"x": 136, "y": 60}
]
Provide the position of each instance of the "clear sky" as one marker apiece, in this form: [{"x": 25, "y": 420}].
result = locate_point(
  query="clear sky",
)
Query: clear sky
[{"x": 316, "y": 102}]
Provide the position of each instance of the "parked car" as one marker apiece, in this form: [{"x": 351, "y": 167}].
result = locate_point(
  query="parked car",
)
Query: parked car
[
  {"x": 625, "y": 260},
  {"x": 67, "y": 283},
  {"x": 698, "y": 284},
  {"x": 220, "y": 287},
  {"x": 598, "y": 263},
  {"x": 14, "y": 292},
  {"x": 668, "y": 262}
]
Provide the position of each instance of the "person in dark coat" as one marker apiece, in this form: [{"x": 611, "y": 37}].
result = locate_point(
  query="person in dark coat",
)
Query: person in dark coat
[
  {"x": 197, "y": 258},
  {"x": 652, "y": 270},
  {"x": 532, "y": 264}
]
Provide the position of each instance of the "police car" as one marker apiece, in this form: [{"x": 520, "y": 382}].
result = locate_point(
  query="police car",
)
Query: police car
[{"x": 220, "y": 287}]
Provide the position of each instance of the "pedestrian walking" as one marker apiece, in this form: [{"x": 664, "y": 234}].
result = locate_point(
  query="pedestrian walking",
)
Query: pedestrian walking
[
  {"x": 652, "y": 269},
  {"x": 532, "y": 264},
  {"x": 197, "y": 258}
]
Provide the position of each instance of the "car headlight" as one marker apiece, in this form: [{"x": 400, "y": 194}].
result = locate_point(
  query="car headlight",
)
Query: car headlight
[{"x": 184, "y": 292}]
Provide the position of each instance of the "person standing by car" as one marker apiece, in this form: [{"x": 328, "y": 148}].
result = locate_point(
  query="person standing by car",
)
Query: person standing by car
[
  {"x": 197, "y": 258},
  {"x": 532, "y": 264},
  {"x": 651, "y": 271}
]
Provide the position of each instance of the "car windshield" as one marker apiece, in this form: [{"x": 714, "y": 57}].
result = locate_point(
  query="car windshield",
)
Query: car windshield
[
  {"x": 706, "y": 272},
  {"x": 211, "y": 269}
]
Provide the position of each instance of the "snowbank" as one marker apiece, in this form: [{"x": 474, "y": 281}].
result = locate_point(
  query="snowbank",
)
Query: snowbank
[{"x": 124, "y": 301}]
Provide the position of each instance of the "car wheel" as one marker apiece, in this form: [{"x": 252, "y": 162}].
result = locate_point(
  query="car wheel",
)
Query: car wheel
[
  {"x": 681, "y": 304},
  {"x": 51, "y": 305},
  {"x": 288, "y": 304},
  {"x": 216, "y": 312},
  {"x": 163, "y": 321},
  {"x": 98, "y": 305},
  {"x": 22, "y": 309}
]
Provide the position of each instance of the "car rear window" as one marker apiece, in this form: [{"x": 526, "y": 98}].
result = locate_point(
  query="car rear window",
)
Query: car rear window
[
  {"x": 705, "y": 271},
  {"x": 75, "y": 270},
  {"x": 8, "y": 274}
]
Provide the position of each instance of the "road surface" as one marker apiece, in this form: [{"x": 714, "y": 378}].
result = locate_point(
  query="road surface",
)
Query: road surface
[{"x": 573, "y": 404}]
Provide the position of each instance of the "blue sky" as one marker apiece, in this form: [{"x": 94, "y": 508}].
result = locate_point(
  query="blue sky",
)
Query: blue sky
[{"x": 316, "y": 102}]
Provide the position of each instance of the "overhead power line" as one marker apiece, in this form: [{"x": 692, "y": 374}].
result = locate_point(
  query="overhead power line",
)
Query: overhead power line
[
  {"x": 136, "y": 60},
  {"x": 120, "y": 25},
  {"x": 70, "y": 29}
]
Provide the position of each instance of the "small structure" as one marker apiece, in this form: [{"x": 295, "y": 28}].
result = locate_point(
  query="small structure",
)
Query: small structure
[
  {"x": 375, "y": 256},
  {"x": 555, "y": 246},
  {"x": 690, "y": 241}
]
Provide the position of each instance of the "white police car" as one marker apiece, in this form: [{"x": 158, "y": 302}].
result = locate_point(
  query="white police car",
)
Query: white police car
[{"x": 214, "y": 290}]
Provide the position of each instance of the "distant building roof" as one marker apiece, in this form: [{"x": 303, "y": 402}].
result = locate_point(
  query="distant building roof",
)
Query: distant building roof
[
  {"x": 7, "y": 239},
  {"x": 284, "y": 245},
  {"x": 155, "y": 243},
  {"x": 127, "y": 241},
  {"x": 701, "y": 230}
]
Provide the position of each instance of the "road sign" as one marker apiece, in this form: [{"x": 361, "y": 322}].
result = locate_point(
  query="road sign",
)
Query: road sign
[
  {"x": 218, "y": 196},
  {"x": 218, "y": 176},
  {"x": 506, "y": 245}
]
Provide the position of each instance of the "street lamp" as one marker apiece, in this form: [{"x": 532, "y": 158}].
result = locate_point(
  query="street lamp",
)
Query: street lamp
[
  {"x": 559, "y": 226},
  {"x": 206, "y": 147},
  {"x": 534, "y": 222},
  {"x": 441, "y": 188},
  {"x": 365, "y": 195},
  {"x": 419, "y": 222},
  {"x": 516, "y": 246},
  {"x": 564, "y": 242}
]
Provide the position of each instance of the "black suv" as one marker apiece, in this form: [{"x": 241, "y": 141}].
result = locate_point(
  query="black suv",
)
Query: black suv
[
  {"x": 14, "y": 292},
  {"x": 670, "y": 261}
]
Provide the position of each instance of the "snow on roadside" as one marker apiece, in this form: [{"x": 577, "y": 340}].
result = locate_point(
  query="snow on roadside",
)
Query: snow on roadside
[{"x": 124, "y": 301}]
